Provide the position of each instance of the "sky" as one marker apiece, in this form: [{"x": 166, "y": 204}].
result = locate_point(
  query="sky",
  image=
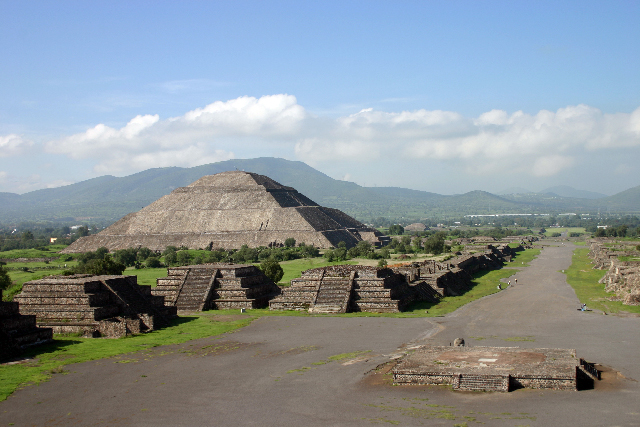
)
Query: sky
[{"x": 440, "y": 96}]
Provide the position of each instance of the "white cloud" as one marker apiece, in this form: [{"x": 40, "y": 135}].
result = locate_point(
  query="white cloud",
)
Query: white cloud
[
  {"x": 24, "y": 184},
  {"x": 13, "y": 145},
  {"x": 495, "y": 142}
]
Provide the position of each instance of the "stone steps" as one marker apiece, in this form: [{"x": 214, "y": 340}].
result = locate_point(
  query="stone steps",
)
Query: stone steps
[{"x": 471, "y": 382}]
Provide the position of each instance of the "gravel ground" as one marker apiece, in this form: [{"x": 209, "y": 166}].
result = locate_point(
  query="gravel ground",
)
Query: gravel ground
[{"x": 278, "y": 370}]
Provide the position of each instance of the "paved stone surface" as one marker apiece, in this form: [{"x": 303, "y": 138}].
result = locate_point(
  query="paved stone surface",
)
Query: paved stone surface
[{"x": 277, "y": 371}]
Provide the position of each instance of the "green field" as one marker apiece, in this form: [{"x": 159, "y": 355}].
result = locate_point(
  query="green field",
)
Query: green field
[
  {"x": 567, "y": 230},
  {"x": 583, "y": 278}
]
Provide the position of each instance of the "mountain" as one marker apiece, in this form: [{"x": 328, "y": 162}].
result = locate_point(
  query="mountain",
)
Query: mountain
[
  {"x": 566, "y": 191},
  {"x": 109, "y": 198},
  {"x": 514, "y": 190},
  {"x": 628, "y": 200}
]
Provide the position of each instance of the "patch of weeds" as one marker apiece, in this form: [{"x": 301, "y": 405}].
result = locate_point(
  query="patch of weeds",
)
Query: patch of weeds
[
  {"x": 381, "y": 420},
  {"x": 345, "y": 356},
  {"x": 518, "y": 339},
  {"x": 58, "y": 370},
  {"x": 303, "y": 369}
]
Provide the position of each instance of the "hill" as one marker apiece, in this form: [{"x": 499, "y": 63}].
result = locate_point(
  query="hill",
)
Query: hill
[{"x": 109, "y": 198}]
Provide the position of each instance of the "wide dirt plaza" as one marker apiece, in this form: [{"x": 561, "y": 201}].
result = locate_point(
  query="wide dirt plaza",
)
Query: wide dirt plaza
[{"x": 278, "y": 371}]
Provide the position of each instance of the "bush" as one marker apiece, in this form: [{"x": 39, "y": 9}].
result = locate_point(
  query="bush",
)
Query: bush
[
  {"x": 183, "y": 257},
  {"x": 396, "y": 229},
  {"x": 99, "y": 267},
  {"x": 5, "y": 280},
  {"x": 153, "y": 262},
  {"x": 290, "y": 242},
  {"x": 272, "y": 269}
]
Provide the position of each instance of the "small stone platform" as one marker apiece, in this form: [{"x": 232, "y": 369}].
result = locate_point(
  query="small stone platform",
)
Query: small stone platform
[
  {"x": 491, "y": 368},
  {"x": 94, "y": 306},
  {"x": 345, "y": 288},
  {"x": 215, "y": 286}
]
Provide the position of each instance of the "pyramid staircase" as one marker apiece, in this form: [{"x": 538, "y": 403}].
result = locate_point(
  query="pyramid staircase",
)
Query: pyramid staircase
[
  {"x": 94, "y": 306},
  {"x": 215, "y": 286},
  {"x": 333, "y": 295},
  {"x": 18, "y": 331},
  {"x": 343, "y": 288}
]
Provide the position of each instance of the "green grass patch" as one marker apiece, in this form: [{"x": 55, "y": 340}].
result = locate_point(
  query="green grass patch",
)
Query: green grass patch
[
  {"x": 66, "y": 350},
  {"x": 147, "y": 276},
  {"x": 347, "y": 356},
  {"x": 523, "y": 258},
  {"x": 583, "y": 278},
  {"x": 294, "y": 268}
]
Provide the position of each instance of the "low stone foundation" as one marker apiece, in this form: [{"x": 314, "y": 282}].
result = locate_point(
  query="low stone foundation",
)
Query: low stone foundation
[{"x": 490, "y": 368}]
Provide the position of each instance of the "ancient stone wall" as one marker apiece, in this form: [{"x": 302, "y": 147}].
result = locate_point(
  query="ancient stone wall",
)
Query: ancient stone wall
[
  {"x": 18, "y": 331},
  {"x": 622, "y": 277}
]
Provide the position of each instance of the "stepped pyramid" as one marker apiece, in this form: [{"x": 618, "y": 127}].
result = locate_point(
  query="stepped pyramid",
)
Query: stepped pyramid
[
  {"x": 215, "y": 286},
  {"x": 94, "y": 306},
  {"x": 345, "y": 288},
  {"x": 228, "y": 210}
]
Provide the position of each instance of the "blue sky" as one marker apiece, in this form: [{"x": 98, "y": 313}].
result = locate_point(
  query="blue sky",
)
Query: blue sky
[{"x": 446, "y": 97}]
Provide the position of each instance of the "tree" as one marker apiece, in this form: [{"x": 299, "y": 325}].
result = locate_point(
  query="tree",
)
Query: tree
[
  {"x": 272, "y": 269},
  {"x": 290, "y": 242},
  {"x": 99, "y": 267},
  {"x": 396, "y": 229},
  {"x": 153, "y": 262},
  {"x": 183, "y": 258},
  {"x": 5, "y": 280}
]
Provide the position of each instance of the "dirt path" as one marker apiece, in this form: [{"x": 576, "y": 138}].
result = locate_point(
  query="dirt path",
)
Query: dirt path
[{"x": 279, "y": 371}]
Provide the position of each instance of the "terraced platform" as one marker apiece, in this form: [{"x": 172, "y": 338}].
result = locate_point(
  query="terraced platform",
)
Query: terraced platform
[
  {"x": 94, "y": 306},
  {"x": 215, "y": 286}
]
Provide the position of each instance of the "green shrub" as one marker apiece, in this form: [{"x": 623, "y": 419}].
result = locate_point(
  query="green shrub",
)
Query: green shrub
[{"x": 272, "y": 269}]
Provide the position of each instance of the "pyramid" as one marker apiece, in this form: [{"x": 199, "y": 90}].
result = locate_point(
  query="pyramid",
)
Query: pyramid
[{"x": 228, "y": 210}]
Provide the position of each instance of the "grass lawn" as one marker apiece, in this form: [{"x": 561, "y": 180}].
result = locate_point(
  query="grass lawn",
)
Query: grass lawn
[
  {"x": 146, "y": 276},
  {"x": 523, "y": 258},
  {"x": 584, "y": 280},
  {"x": 294, "y": 268}
]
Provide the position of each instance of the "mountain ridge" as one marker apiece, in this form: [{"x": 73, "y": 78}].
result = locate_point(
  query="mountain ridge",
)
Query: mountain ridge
[{"x": 110, "y": 198}]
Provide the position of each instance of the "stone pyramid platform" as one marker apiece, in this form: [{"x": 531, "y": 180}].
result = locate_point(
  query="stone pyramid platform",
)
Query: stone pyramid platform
[
  {"x": 215, "y": 286},
  {"x": 494, "y": 368},
  {"x": 18, "y": 331},
  {"x": 345, "y": 288},
  {"x": 228, "y": 210},
  {"x": 95, "y": 306}
]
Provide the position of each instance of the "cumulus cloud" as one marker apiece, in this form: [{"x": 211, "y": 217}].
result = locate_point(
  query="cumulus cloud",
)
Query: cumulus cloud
[
  {"x": 541, "y": 144},
  {"x": 12, "y": 145},
  {"x": 201, "y": 136}
]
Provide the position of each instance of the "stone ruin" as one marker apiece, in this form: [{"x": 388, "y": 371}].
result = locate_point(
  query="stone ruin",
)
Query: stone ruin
[
  {"x": 94, "y": 306},
  {"x": 215, "y": 286},
  {"x": 345, "y": 288},
  {"x": 18, "y": 331},
  {"x": 228, "y": 210},
  {"x": 495, "y": 368},
  {"x": 622, "y": 277}
]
